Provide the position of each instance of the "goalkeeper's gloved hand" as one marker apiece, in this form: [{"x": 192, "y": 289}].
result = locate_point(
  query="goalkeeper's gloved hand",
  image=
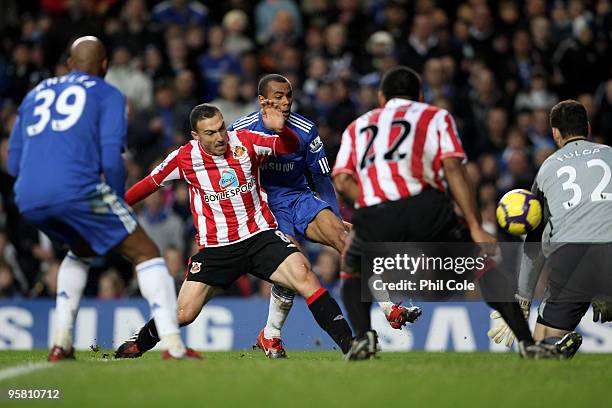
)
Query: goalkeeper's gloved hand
[
  {"x": 602, "y": 309},
  {"x": 500, "y": 329}
]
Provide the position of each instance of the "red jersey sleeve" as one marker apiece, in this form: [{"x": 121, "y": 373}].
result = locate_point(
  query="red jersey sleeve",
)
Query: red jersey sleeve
[
  {"x": 270, "y": 145},
  {"x": 166, "y": 171}
]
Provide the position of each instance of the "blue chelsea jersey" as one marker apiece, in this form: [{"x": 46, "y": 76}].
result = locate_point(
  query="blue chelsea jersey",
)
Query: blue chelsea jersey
[
  {"x": 62, "y": 127},
  {"x": 283, "y": 176}
]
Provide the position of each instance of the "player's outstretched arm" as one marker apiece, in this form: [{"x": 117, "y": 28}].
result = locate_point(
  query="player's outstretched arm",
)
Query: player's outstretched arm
[
  {"x": 168, "y": 170},
  {"x": 141, "y": 190}
]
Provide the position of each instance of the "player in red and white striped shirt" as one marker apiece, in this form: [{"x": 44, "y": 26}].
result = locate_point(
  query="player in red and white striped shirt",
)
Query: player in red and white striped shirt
[
  {"x": 236, "y": 231},
  {"x": 227, "y": 203},
  {"x": 398, "y": 150},
  {"x": 395, "y": 163}
]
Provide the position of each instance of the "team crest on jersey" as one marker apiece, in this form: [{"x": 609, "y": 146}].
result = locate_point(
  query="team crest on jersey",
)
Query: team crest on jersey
[
  {"x": 316, "y": 144},
  {"x": 196, "y": 267},
  {"x": 238, "y": 151},
  {"x": 229, "y": 178}
]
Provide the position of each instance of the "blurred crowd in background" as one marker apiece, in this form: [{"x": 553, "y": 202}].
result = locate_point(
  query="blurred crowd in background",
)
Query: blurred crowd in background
[{"x": 497, "y": 66}]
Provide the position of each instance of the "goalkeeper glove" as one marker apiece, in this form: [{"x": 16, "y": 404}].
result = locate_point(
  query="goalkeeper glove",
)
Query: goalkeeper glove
[
  {"x": 500, "y": 329},
  {"x": 602, "y": 309}
]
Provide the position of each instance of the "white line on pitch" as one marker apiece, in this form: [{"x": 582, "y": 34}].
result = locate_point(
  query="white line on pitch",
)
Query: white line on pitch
[{"x": 16, "y": 371}]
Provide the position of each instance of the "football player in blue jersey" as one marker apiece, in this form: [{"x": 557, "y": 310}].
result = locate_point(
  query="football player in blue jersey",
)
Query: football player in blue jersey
[
  {"x": 299, "y": 211},
  {"x": 65, "y": 151}
]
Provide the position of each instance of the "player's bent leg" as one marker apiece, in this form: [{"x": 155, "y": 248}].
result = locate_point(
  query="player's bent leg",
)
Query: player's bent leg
[
  {"x": 294, "y": 272},
  {"x": 327, "y": 229},
  {"x": 156, "y": 286},
  {"x": 269, "y": 338},
  {"x": 358, "y": 312},
  {"x": 192, "y": 298},
  {"x": 543, "y": 333},
  {"x": 556, "y": 323},
  {"x": 71, "y": 280},
  {"x": 281, "y": 301}
]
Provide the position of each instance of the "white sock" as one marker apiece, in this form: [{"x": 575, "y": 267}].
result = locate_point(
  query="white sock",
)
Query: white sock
[
  {"x": 381, "y": 297},
  {"x": 71, "y": 280},
  {"x": 386, "y": 307},
  {"x": 281, "y": 300},
  {"x": 157, "y": 287}
]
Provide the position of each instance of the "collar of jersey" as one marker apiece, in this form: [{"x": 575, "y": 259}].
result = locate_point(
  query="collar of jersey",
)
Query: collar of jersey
[{"x": 395, "y": 102}]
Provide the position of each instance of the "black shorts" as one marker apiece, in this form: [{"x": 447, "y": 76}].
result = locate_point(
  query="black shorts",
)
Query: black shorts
[
  {"x": 578, "y": 273},
  {"x": 427, "y": 217},
  {"x": 421, "y": 218},
  {"x": 562, "y": 315},
  {"x": 259, "y": 255}
]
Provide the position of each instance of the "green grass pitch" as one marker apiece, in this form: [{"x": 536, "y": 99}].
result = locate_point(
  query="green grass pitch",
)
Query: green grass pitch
[{"x": 317, "y": 379}]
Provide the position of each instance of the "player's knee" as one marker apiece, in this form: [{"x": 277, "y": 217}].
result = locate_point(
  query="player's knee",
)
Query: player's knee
[
  {"x": 186, "y": 315},
  {"x": 299, "y": 272}
]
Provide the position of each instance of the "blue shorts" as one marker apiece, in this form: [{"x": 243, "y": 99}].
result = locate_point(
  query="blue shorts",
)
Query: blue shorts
[
  {"x": 296, "y": 211},
  {"x": 102, "y": 219}
]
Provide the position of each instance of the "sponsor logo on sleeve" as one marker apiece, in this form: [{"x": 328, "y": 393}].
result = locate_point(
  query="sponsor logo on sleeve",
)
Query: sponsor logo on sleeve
[{"x": 316, "y": 144}]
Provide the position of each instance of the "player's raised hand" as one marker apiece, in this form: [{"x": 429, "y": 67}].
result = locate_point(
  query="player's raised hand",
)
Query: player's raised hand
[{"x": 272, "y": 116}]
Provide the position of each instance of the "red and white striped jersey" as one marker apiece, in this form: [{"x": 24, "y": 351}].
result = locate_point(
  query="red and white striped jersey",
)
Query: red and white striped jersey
[
  {"x": 396, "y": 151},
  {"x": 227, "y": 202}
]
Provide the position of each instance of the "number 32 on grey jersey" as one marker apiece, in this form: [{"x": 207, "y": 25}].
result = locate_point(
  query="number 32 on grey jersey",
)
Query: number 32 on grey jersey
[{"x": 574, "y": 184}]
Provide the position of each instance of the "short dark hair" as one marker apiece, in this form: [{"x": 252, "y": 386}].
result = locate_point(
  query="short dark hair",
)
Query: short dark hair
[
  {"x": 263, "y": 82},
  {"x": 202, "y": 111},
  {"x": 401, "y": 82},
  {"x": 571, "y": 118}
]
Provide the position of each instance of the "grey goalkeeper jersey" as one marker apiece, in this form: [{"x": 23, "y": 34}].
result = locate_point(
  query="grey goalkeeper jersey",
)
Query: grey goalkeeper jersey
[{"x": 575, "y": 187}]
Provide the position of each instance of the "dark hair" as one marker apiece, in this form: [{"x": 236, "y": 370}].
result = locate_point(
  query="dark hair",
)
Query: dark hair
[
  {"x": 262, "y": 87},
  {"x": 571, "y": 118},
  {"x": 202, "y": 111},
  {"x": 401, "y": 82}
]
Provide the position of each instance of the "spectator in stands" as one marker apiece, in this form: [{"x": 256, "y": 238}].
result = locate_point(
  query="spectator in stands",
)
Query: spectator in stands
[
  {"x": 181, "y": 12},
  {"x": 216, "y": 62},
  {"x": 235, "y": 24},
  {"x": 8, "y": 288},
  {"x": 422, "y": 42},
  {"x": 266, "y": 13},
  {"x": 161, "y": 223},
  {"x": 575, "y": 57},
  {"x": 136, "y": 86},
  {"x": 229, "y": 100}
]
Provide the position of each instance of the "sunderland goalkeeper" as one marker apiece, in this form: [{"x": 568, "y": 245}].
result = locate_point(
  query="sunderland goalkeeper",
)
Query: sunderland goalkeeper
[{"x": 576, "y": 235}]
